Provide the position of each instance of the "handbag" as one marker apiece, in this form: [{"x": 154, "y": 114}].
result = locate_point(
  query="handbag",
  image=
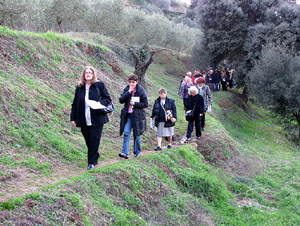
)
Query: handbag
[
  {"x": 109, "y": 108},
  {"x": 189, "y": 115}
]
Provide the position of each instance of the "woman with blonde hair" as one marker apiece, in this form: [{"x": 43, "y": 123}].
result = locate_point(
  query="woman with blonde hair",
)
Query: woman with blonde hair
[{"x": 90, "y": 96}]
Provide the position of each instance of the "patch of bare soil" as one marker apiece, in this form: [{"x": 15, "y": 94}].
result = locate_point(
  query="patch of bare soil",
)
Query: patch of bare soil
[
  {"x": 221, "y": 153},
  {"x": 59, "y": 210}
]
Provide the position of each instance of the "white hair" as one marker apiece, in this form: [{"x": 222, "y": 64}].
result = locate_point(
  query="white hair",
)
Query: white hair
[
  {"x": 189, "y": 73},
  {"x": 193, "y": 88},
  {"x": 187, "y": 78}
]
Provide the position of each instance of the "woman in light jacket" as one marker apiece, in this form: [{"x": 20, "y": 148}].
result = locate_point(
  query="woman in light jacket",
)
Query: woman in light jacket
[{"x": 204, "y": 91}]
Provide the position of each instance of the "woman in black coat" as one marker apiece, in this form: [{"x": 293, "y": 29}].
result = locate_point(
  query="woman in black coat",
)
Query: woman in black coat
[
  {"x": 195, "y": 103},
  {"x": 133, "y": 116},
  {"x": 165, "y": 114},
  {"x": 86, "y": 116}
]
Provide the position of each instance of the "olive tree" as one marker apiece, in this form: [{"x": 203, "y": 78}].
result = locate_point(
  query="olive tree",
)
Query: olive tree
[{"x": 275, "y": 82}]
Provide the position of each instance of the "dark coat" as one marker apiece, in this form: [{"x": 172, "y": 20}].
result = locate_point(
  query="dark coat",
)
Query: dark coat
[
  {"x": 159, "y": 113},
  {"x": 98, "y": 117},
  {"x": 197, "y": 102},
  {"x": 138, "y": 111}
]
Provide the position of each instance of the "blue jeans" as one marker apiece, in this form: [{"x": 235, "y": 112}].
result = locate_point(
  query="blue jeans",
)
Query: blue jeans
[{"x": 130, "y": 124}]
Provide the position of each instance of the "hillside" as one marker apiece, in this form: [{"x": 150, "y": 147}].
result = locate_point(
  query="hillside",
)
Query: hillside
[{"x": 243, "y": 171}]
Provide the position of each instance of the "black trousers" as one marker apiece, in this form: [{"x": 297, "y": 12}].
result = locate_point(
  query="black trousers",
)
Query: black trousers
[
  {"x": 191, "y": 128},
  {"x": 92, "y": 136},
  {"x": 185, "y": 103}
]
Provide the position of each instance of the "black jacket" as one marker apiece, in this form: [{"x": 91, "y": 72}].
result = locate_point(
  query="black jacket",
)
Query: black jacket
[
  {"x": 78, "y": 106},
  {"x": 196, "y": 102},
  {"x": 159, "y": 113},
  {"x": 138, "y": 111}
]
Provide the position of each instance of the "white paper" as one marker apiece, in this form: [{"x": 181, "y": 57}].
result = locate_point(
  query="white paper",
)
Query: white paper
[
  {"x": 95, "y": 104},
  {"x": 209, "y": 108},
  {"x": 135, "y": 99},
  {"x": 151, "y": 123}
]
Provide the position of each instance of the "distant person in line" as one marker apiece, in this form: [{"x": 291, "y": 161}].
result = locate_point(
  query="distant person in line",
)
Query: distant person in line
[
  {"x": 133, "y": 116},
  {"x": 204, "y": 91},
  {"x": 224, "y": 80},
  {"x": 196, "y": 104},
  {"x": 165, "y": 115},
  {"x": 185, "y": 90},
  {"x": 231, "y": 78},
  {"x": 182, "y": 82},
  {"x": 90, "y": 120},
  {"x": 209, "y": 79}
]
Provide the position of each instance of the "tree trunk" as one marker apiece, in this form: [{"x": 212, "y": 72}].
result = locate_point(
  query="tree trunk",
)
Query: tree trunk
[
  {"x": 298, "y": 120},
  {"x": 3, "y": 20},
  {"x": 12, "y": 22},
  {"x": 141, "y": 68},
  {"x": 59, "y": 22},
  {"x": 245, "y": 94}
]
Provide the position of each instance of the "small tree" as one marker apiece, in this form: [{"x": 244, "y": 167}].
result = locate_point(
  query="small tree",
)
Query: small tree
[
  {"x": 67, "y": 11},
  {"x": 275, "y": 81},
  {"x": 142, "y": 61},
  {"x": 9, "y": 9}
]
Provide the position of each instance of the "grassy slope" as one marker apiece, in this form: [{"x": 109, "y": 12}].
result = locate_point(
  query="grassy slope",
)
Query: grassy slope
[{"x": 245, "y": 172}]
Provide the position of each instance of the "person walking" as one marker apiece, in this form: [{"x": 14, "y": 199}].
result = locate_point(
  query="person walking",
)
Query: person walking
[
  {"x": 195, "y": 104},
  {"x": 84, "y": 114},
  {"x": 165, "y": 115},
  {"x": 204, "y": 91},
  {"x": 133, "y": 116},
  {"x": 184, "y": 91}
]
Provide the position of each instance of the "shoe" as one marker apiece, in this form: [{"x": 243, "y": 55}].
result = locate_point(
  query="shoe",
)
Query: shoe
[
  {"x": 169, "y": 147},
  {"x": 90, "y": 167},
  {"x": 157, "y": 149},
  {"x": 122, "y": 155},
  {"x": 203, "y": 128},
  {"x": 198, "y": 138},
  {"x": 188, "y": 139},
  {"x": 137, "y": 155}
]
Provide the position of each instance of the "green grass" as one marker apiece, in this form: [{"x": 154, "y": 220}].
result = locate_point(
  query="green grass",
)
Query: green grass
[{"x": 175, "y": 187}]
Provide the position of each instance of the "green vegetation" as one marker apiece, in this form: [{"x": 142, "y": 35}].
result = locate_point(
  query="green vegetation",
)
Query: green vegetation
[{"x": 244, "y": 172}]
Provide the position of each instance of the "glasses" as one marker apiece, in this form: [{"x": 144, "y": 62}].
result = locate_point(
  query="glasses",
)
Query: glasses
[
  {"x": 89, "y": 71},
  {"x": 132, "y": 81}
]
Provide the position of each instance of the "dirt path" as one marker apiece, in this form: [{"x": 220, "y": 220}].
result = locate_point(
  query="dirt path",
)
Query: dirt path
[{"x": 22, "y": 183}]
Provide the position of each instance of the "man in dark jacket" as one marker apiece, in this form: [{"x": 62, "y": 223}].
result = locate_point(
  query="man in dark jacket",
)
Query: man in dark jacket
[{"x": 133, "y": 116}]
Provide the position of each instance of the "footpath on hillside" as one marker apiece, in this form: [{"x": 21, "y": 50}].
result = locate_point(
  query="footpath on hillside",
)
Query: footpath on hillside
[{"x": 24, "y": 183}]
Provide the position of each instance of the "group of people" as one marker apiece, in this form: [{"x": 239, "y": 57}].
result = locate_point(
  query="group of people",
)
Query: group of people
[
  {"x": 215, "y": 78},
  {"x": 91, "y": 97}
]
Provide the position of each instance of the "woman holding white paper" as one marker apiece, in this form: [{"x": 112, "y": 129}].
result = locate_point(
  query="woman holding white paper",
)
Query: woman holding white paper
[
  {"x": 133, "y": 116},
  {"x": 90, "y": 96}
]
